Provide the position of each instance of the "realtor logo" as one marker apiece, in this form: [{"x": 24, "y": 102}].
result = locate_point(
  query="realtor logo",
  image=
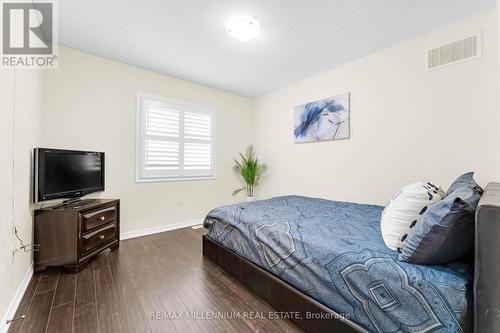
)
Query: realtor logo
[{"x": 28, "y": 35}]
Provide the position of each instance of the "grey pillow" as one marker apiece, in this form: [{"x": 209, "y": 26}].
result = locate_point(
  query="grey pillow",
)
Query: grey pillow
[
  {"x": 464, "y": 182},
  {"x": 446, "y": 230}
]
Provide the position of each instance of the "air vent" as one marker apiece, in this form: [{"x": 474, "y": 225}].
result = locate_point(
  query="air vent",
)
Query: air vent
[{"x": 455, "y": 52}]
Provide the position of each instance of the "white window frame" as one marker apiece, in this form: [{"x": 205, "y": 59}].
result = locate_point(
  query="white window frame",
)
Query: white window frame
[{"x": 178, "y": 175}]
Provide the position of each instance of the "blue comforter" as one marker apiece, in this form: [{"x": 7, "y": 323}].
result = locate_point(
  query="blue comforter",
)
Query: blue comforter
[{"x": 334, "y": 252}]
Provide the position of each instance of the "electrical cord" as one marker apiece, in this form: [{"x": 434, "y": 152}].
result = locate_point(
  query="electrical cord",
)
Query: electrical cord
[
  {"x": 25, "y": 248},
  {"x": 20, "y": 240}
]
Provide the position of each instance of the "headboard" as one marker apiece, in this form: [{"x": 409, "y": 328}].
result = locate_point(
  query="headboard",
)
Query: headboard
[{"x": 487, "y": 262}]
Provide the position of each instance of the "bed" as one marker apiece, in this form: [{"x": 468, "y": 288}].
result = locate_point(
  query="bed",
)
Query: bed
[{"x": 326, "y": 262}]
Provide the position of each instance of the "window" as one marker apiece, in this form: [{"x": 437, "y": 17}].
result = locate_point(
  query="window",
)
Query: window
[{"x": 175, "y": 139}]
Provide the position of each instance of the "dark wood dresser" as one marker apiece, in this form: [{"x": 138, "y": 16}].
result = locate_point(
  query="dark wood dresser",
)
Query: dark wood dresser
[{"x": 71, "y": 237}]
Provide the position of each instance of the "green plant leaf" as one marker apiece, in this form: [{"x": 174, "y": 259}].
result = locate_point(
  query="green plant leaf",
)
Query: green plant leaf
[
  {"x": 249, "y": 168},
  {"x": 238, "y": 191}
]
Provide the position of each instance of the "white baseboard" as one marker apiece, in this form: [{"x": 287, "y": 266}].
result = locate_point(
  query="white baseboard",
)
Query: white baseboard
[
  {"x": 158, "y": 229},
  {"x": 11, "y": 311}
]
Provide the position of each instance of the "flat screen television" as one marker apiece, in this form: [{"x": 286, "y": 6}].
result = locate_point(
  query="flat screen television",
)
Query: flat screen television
[{"x": 67, "y": 174}]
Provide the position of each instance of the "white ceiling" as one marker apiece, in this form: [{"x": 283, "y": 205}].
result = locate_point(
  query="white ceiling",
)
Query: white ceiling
[{"x": 299, "y": 38}]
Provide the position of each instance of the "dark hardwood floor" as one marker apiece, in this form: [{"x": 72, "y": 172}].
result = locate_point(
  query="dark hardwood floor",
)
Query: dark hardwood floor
[{"x": 157, "y": 283}]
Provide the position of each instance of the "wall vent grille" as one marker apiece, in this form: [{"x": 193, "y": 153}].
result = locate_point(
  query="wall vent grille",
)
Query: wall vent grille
[{"x": 455, "y": 52}]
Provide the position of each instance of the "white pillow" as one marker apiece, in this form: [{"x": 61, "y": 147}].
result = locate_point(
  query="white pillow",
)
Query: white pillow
[{"x": 405, "y": 210}]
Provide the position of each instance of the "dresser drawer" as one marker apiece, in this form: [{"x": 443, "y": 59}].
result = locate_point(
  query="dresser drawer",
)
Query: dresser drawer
[
  {"x": 96, "y": 218},
  {"x": 98, "y": 237}
]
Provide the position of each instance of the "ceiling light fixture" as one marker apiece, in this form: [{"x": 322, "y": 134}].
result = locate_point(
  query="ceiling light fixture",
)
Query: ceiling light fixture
[{"x": 243, "y": 28}]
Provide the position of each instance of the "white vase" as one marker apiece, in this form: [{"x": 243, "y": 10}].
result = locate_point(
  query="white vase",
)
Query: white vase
[{"x": 250, "y": 198}]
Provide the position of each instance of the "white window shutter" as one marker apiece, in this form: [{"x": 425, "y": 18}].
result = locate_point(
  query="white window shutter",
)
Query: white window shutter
[
  {"x": 197, "y": 126},
  {"x": 197, "y": 141},
  {"x": 162, "y": 137},
  {"x": 161, "y": 120},
  {"x": 161, "y": 155},
  {"x": 175, "y": 139}
]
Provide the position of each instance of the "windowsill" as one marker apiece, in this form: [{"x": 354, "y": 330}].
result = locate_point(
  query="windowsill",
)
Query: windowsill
[{"x": 174, "y": 179}]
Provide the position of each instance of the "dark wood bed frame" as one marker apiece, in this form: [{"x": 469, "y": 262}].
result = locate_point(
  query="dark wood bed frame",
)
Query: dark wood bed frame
[
  {"x": 278, "y": 293},
  {"x": 286, "y": 298}
]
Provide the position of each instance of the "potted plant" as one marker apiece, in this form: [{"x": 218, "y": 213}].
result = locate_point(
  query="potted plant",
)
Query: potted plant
[{"x": 251, "y": 171}]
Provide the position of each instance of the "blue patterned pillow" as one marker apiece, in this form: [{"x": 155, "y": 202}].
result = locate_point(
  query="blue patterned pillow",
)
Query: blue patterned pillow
[{"x": 446, "y": 231}]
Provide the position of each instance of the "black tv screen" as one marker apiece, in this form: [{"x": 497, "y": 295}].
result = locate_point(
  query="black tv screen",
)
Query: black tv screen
[{"x": 67, "y": 173}]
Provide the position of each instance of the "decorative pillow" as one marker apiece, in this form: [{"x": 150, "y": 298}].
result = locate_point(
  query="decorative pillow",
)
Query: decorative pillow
[
  {"x": 446, "y": 231},
  {"x": 464, "y": 183},
  {"x": 405, "y": 209}
]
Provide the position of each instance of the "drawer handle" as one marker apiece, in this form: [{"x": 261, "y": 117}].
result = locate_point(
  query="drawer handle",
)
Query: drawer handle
[
  {"x": 101, "y": 237},
  {"x": 102, "y": 218}
]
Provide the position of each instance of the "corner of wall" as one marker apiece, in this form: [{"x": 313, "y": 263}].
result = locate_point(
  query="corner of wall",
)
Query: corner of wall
[{"x": 21, "y": 132}]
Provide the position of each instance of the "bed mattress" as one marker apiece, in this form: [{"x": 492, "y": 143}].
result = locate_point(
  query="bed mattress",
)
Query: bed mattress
[{"x": 333, "y": 251}]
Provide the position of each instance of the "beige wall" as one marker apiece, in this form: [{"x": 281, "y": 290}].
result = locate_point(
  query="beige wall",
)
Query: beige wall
[
  {"x": 407, "y": 124},
  {"x": 90, "y": 104},
  {"x": 20, "y": 131},
  {"x": 6, "y": 147}
]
